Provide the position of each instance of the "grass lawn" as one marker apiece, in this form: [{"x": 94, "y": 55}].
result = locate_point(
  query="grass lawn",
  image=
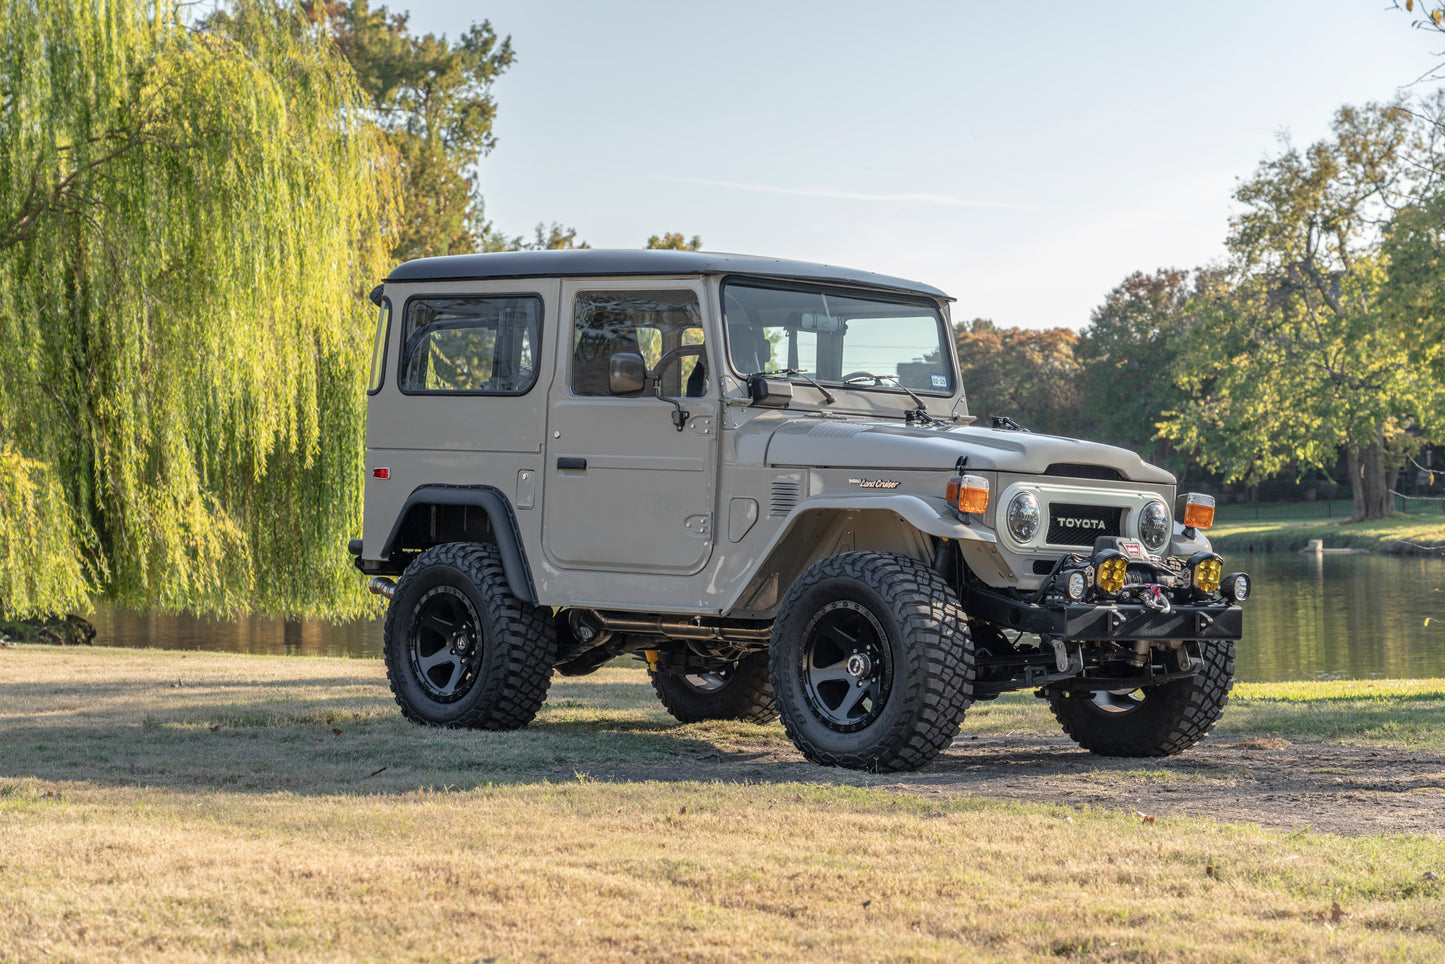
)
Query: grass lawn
[
  {"x": 161, "y": 805},
  {"x": 1397, "y": 534}
]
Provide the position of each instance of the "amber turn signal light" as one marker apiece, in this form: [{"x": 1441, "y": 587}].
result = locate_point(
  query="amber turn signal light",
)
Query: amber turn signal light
[
  {"x": 969, "y": 493},
  {"x": 1195, "y": 510}
]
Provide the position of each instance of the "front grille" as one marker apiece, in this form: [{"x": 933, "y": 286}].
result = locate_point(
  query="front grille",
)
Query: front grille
[
  {"x": 1080, "y": 525},
  {"x": 1073, "y": 470}
]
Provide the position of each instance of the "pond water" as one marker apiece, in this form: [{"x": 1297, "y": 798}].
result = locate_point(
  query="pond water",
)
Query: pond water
[{"x": 1312, "y": 617}]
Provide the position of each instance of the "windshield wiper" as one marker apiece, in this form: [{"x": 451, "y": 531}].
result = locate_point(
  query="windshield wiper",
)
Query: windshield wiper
[
  {"x": 920, "y": 413},
  {"x": 828, "y": 398}
]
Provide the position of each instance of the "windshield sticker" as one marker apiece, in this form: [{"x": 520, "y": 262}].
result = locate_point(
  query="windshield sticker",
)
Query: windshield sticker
[
  {"x": 938, "y": 380},
  {"x": 875, "y": 483}
]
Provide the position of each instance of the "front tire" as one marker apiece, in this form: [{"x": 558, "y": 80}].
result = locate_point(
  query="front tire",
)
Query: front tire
[
  {"x": 741, "y": 692},
  {"x": 1158, "y": 721},
  {"x": 461, "y": 650},
  {"x": 872, "y": 664}
]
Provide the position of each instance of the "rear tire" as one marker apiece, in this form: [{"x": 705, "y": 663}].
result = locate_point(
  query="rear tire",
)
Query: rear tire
[
  {"x": 872, "y": 663},
  {"x": 461, "y": 650},
  {"x": 742, "y": 692},
  {"x": 1158, "y": 721}
]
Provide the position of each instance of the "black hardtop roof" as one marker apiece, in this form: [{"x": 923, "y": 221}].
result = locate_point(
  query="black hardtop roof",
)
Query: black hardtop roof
[{"x": 599, "y": 262}]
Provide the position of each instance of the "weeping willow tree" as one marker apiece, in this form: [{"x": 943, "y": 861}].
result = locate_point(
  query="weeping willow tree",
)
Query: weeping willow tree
[{"x": 188, "y": 223}]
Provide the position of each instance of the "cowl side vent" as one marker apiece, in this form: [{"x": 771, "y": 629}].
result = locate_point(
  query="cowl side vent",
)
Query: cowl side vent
[{"x": 786, "y": 493}]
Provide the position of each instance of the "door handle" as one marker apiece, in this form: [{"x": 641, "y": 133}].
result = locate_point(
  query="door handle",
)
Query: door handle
[{"x": 572, "y": 464}]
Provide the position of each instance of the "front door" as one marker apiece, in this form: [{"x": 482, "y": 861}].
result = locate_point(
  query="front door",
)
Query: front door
[{"x": 627, "y": 489}]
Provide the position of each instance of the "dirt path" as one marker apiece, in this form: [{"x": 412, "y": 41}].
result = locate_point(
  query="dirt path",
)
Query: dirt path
[{"x": 1274, "y": 783}]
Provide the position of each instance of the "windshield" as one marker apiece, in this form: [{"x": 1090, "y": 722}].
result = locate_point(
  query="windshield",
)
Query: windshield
[{"x": 836, "y": 336}]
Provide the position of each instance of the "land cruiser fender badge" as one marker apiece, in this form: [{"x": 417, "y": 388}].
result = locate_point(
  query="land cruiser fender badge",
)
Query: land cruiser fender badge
[{"x": 874, "y": 483}]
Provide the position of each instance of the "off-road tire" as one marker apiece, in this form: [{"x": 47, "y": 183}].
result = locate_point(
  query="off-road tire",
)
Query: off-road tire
[
  {"x": 498, "y": 678},
  {"x": 1164, "y": 720},
  {"x": 906, "y": 622},
  {"x": 744, "y": 692}
]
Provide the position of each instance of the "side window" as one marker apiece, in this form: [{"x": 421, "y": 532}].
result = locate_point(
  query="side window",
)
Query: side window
[
  {"x": 474, "y": 345},
  {"x": 378, "y": 348},
  {"x": 651, "y": 323}
]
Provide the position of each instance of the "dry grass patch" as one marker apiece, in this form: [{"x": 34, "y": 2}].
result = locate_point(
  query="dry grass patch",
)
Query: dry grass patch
[{"x": 176, "y": 806}]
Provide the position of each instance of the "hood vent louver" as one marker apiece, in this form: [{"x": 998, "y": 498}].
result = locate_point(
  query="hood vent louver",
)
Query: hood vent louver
[
  {"x": 1071, "y": 470},
  {"x": 786, "y": 493}
]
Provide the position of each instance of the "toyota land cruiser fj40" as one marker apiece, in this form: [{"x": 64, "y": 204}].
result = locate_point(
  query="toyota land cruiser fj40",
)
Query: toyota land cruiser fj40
[{"x": 761, "y": 477}]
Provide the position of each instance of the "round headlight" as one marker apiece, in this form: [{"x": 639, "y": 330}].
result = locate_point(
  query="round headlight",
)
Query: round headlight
[
  {"x": 1154, "y": 526},
  {"x": 1023, "y": 516}
]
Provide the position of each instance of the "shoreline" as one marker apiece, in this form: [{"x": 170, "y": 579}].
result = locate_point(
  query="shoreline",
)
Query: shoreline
[{"x": 1395, "y": 536}]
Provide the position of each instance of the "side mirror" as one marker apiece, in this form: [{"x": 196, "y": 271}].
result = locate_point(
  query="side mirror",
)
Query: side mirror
[
  {"x": 626, "y": 373},
  {"x": 769, "y": 392}
]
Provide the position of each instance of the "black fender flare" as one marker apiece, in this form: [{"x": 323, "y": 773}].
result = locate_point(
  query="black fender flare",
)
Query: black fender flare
[{"x": 504, "y": 526}]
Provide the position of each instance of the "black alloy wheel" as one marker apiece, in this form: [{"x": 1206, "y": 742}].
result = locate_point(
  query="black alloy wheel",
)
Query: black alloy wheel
[
  {"x": 445, "y": 643},
  {"x": 847, "y": 666}
]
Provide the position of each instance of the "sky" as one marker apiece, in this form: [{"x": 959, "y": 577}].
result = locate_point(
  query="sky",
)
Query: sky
[{"x": 1025, "y": 158}]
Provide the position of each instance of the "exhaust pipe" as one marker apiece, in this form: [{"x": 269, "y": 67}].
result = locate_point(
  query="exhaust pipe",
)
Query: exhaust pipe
[{"x": 382, "y": 586}]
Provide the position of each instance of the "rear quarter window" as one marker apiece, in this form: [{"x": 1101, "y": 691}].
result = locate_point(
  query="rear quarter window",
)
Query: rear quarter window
[{"x": 475, "y": 345}]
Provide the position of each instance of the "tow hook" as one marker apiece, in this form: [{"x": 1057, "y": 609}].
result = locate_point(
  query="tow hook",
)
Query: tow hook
[{"x": 1153, "y": 599}]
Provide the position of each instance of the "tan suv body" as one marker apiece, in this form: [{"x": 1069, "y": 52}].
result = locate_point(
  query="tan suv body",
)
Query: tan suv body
[{"x": 762, "y": 477}]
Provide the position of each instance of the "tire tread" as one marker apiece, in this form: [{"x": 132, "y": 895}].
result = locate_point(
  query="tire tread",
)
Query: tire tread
[{"x": 523, "y": 633}]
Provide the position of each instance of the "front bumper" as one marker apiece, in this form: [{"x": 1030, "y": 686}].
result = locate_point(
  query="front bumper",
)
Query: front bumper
[{"x": 1115, "y": 621}]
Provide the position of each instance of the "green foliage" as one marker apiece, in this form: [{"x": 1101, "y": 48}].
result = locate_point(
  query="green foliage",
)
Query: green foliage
[
  {"x": 1124, "y": 358},
  {"x": 188, "y": 222},
  {"x": 1027, "y": 375},
  {"x": 1297, "y": 352},
  {"x": 555, "y": 238},
  {"x": 433, "y": 97},
  {"x": 675, "y": 242},
  {"x": 40, "y": 569}
]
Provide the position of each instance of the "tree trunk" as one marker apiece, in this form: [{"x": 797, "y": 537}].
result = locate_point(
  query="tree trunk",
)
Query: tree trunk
[{"x": 1370, "y": 480}]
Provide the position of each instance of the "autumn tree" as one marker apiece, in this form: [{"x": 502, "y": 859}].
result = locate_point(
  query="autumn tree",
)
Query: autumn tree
[
  {"x": 1028, "y": 375},
  {"x": 188, "y": 225},
  {"x": 1297, "y": 353}
]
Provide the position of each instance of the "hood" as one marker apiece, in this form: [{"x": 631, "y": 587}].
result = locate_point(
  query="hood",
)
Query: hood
[{"x": 812, "y": 443}]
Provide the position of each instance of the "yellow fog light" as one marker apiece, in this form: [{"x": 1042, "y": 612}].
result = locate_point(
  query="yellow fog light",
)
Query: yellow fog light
[
  {"x": 1109, "y": 573},
  {"x": 969, "y": 493},
  {"x": 1206, "y": 568}
]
